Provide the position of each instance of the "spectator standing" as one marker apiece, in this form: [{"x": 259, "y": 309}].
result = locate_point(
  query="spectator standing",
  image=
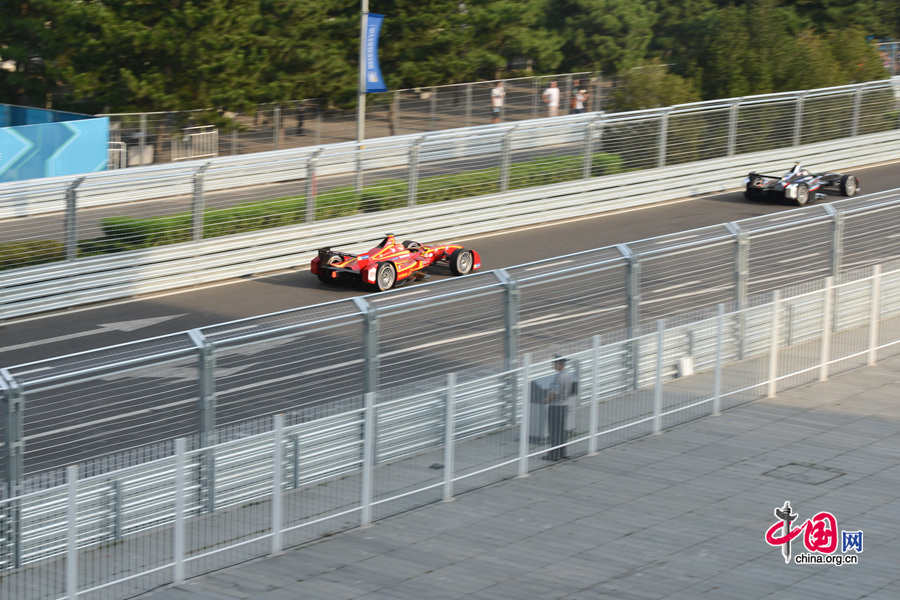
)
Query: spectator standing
[
  {"x": 557, "y": 410},
  {"x": 579, "y": 98},
  {"x": 498, "y": 94},
  {"x": 551, "y": 99}
]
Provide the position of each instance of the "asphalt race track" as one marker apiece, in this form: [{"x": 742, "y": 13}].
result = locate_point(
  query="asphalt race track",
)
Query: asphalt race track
[{"x": 56, "y": 334}]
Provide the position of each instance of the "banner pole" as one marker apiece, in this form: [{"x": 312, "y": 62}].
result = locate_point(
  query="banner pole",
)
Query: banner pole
[{"x": 361, "y": 96}]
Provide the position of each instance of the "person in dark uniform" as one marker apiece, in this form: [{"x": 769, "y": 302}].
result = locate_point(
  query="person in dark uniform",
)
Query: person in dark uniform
[{"x": 557, "y": 409}]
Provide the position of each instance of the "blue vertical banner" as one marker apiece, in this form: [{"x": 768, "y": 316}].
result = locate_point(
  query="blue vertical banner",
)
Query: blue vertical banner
[{"x": 374, "y": 80}]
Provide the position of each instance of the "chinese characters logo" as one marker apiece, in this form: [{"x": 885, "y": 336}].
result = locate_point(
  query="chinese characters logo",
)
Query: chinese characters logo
[{"x": 819, "y": 536}]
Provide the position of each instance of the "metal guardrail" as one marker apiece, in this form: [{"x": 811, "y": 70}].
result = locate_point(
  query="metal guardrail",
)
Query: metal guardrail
[
  {"x": 135, "y": 398},
  {"x": 225, "y": 196},
  {"x": 65, "y": 284},
  {"x": 213, "y": 506}
]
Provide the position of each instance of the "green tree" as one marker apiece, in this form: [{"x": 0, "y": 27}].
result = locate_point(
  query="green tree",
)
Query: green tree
[{"x": 651, "y": 86}]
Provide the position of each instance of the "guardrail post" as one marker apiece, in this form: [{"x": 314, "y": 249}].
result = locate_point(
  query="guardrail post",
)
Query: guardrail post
[
  {"x": 115, "y": 489},
  {"x": 234, "y": 142},
  {"x": 741, "y": 280},
  {"x": 141, "y": 140},
  {"x": 433, "y": 110},
  {"x": 206, "y": 412},
  {"x": 595, "y": 396},
  {"x": 13, "y": 415},
  {"x": 663, "y": 138},
  {"x": 506, "y": 159},
  {"x": 511, "y": 299},
  {"x": 198, "y": 204},
  {"x": 413, "y": 178},
  {"x": 468, "y": 104},
  {"x": 524, "y": 415},
  {"x": 589, "y": 132},
  {"x": 857, "y": 109},
  {"x": 358, "y": 186},
  {"x": 71, "y": 219},
  {"x": 178, "y": 537},
  {"x": 318, "y": 125},
  {"x": 837, "y": 254},
  {"x": 825, "y": 357},
  {"x": 368, "y": 460},
  {"x": 370, "y": 344},
  {"x": 535, "y": 95},
  {"x": 633, "y": 310},
  {"x": 277, "y": 477},
  {"x": 449, "y": 437},
  {"x": 395, "y": 113},
  {"x": 798, "y": 118},
  {"x": 276, "y": 125},
  {"x": 72, "y": 533},
  {"x": 733, "y": 127},
  {"x": 295, "y": 461},
  {"x": 874, "y": 315},
  {"x": 312, "y": 167},
  {"x": 773, "y": 344},
  {"x": 717, "y": 375},
  {"x": 658, "y": 385}
]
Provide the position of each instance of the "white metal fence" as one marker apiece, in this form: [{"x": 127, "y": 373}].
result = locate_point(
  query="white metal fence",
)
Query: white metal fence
[
  {"x": 132, "y": 529},
  {"x": 298, "y": 123}
]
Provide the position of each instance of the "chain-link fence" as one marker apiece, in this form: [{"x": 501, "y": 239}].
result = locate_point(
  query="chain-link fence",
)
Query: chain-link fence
[
  {"x": 305, "y": 473},
  {"x": 890, "y": 57}
]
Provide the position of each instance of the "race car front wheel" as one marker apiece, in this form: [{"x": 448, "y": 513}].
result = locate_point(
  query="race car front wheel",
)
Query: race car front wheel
[
  {"x": 461, "y": 262},
  {"x": 385, "y": 276},
  {"x": 849, "y": 185}
]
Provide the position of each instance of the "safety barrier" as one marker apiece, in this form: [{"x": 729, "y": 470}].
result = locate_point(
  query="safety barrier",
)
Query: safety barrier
[
  {"x": 306, "y": 475},
  {"x": 65, "y": 284}
]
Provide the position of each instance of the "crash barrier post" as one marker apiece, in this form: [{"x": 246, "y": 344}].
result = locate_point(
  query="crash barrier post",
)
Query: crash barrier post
[
  {"x": 658, "y": 382},
  {"x": 468, "y": 121},
  {"x": 71, "y": 219},
  {"x": 370, "y": 344},
  {"x": 741, "y": 278},
  {"x": 798, "y": 117},
  {"x": 449, "y": 436},
  {"x": 198, "y": 205},
  {"x": 827, "y": 315},
  {"x": 142, "y": 140},
  {"x": 72, "y": 533},
  {"x": 732, "y": 127},
  {"x": 874, "y": 316},
  {"x": 717, "y": 375},
  {"x": 663, "y": 138},
  {"x": 511, "y": 299},
  {"x": 774, "y": 332},
  {"x": 524, "y": 414},
  {"x": 506, "y": 159},
  {"x": 178, "y": 537},
  {"x": 857, "y": 107},
  {"x": 276, "y": 125},
  {"x": 312, "y": 165},
  {"x": 13, "y": 417},
  {"x": 206, "y": 409},
  {"x": 413, "y": 177},
  {"x": 358, "y": 160},
  {"x": 594, "y": 418},
  {"x": 368, "y": 460},
  {"x": 633, "y": 310},
  {"x": 277, "y": 485}
]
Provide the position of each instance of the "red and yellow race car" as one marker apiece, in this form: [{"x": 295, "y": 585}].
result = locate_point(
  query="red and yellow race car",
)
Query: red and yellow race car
[{"x": 390, "y": 262}]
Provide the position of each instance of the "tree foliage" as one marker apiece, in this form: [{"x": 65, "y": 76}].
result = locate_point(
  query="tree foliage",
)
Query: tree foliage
[{"x": 141, "y": 55}]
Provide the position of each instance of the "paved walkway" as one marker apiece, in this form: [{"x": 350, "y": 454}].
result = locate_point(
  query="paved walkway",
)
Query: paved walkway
[{"x": 679, "y": 516}]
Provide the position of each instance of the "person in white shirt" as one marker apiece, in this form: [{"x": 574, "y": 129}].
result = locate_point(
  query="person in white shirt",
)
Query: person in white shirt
[
  {"x": 551, "y": 99},
  {"x": 498, "y": 93}
]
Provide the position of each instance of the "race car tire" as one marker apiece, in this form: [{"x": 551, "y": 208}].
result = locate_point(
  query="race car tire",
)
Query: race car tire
[
  {"x": 385, "y": 276},
  {"x": 461, "y": 261},
  {"x": 747, "y": 194},
  {"x": 849, "y": 185},
  {"x": 325, "y": 276},
  {"x": 802, "y": 194}
]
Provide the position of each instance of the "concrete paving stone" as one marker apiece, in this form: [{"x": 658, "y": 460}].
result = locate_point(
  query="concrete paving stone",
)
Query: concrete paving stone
[
  {"x": 186, "y": 591},
  {"x": 322, "y": 589},
  {"x": 453, "y": 577},
  {"x": 400, "y": 567}
]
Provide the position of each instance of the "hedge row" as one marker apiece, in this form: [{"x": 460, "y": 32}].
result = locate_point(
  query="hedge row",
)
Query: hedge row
[{"x": 131, "y": 233}]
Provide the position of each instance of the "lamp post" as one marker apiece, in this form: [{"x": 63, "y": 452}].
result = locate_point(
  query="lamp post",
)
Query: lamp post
[{"x": 361, "y": 99}]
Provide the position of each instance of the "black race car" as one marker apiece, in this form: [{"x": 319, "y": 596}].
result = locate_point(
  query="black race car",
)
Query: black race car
[{"x": 798, "y": 185}]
